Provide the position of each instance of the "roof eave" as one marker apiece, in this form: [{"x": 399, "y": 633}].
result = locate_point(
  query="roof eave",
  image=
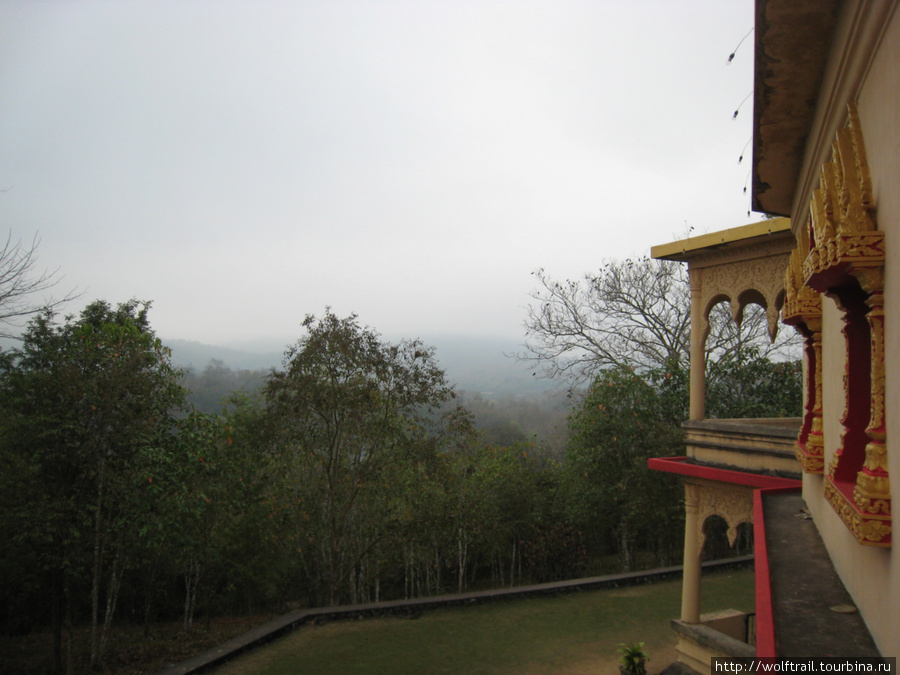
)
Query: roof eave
[{"x": 792, "y": 41}]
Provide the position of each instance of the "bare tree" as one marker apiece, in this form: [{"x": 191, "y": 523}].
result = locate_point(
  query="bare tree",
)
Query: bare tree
[
  {"x": 20, "y": 283},
  {"x": 633, "y": 313}
]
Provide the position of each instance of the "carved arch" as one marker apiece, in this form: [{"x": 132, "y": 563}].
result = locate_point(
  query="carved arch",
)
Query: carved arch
[
  {"x": 743, "y": 282},
  {"x": 734, "y": 505}
]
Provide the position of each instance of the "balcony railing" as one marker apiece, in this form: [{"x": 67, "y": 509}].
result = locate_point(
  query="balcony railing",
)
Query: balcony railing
[{"x": 763, "y": 446}]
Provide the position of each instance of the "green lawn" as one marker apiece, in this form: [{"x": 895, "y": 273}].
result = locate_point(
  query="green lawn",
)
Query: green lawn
[{"x": 577, "y": 633}]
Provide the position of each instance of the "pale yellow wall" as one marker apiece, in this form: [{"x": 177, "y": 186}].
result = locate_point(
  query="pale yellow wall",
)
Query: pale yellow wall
[
  {"x": 872, "y": 575},
  {"x": 879, "y": 109}
]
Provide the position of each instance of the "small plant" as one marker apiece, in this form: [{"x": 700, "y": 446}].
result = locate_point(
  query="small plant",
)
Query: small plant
[{"x": 633, "y": 659}]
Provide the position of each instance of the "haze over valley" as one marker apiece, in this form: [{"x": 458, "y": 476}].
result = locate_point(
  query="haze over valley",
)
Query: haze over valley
[{"x": 473, "y": 364}]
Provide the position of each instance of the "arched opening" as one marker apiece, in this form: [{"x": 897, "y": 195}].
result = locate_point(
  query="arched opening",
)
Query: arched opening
[
  {"x": 747, "y": 375},
  {"x": 716, "y": 545}
]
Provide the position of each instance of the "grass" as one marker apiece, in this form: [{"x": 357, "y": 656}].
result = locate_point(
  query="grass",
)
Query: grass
[{"x": 577, "y": 633}]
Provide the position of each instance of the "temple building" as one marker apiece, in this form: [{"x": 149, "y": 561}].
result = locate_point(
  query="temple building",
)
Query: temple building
[{"x": 817, "y": 490}]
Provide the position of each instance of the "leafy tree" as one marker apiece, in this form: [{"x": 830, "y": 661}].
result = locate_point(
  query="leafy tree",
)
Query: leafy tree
[
  {"x": 625, "y": 333},
  {"x": 347, "y": 411},
  {"x": 86, "y": 402},
  {"x": 630, "y": 415},
  {"x": 743, "y": 384},
  {"x": 625, "y": 418},
  {"x": 525, "y": 533},
  {"x": 256, "y": 546}
]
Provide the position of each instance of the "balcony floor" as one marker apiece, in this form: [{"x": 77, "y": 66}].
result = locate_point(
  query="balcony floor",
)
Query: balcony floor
[{"x": 805, "y": 586}]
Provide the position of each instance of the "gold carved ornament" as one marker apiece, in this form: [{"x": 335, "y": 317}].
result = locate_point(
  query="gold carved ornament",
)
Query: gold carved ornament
[
  {"x": 744, "y": 282},
  {"x": 803, "y": 310},
  {"x": 841, "y": 246}
]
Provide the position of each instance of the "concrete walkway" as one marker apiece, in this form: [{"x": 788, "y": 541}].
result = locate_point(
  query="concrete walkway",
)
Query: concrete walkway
[
  {"x": 807, "y": 592},
  {"x": 287, "y": 622}
]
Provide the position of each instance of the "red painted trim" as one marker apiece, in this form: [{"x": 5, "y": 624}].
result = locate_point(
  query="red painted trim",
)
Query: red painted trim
[
  {"x": 680, "y": 466},
  {"x": 765, "y": 619},
  {"x": 764, "y": 485},
  {"x": 765, "y": 616}
]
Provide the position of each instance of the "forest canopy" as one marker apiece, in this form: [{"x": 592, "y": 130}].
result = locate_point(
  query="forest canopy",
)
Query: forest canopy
[{"x": 352, "y": 473}]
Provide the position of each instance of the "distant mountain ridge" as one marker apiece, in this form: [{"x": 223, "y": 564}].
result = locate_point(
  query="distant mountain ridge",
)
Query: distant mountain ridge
[{"x": 472, "y": 364}]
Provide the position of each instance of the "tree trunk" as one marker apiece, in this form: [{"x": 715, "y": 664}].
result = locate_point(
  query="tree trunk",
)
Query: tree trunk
[
  {"x": 57, "y": 621},
  {"x": 625, "y": 549},
  {"x": 334, "y": 573},
  {"x": 438, "y": 566},
  {"x": 148, "y": 599},
  {"x": 112, "y": 595},
  {"x": 70, "y": 630},
  {"x": 462, "y": 552},
  {"x": 191, "y": 582},
  {"x": 95, "y": 582},
  {"x": 407, "y": 555}
]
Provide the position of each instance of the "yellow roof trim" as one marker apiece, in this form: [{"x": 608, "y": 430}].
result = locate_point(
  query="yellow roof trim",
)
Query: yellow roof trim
[{"x": 681, "y": 249}]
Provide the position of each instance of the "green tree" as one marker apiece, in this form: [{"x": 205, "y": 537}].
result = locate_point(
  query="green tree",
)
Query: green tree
[
  {"x": 348, "y": 410},
  {"x": 625, "y": 418},
  {"x": 624, "y": 332},
  {"x": 86, "y": 403},
  {"x": 630, "y": 415},
  {"x": 256, "y": 546},
  {"x": 743, "y": 384}
]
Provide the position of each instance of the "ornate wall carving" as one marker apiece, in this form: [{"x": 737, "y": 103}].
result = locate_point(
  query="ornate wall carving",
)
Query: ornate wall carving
[
  {"x": 803, "y": 310},
  {"x": 731, "y": 503},
  {"x": 743, "y": 282},
  {"x": 841, "y": 254}
]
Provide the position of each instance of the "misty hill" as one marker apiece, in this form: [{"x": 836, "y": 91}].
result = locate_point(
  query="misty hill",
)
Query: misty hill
[
  {"x": 472, "y": 364},
  {"x": 196, "y": 356},
  {"x": 485, "y": 365}
]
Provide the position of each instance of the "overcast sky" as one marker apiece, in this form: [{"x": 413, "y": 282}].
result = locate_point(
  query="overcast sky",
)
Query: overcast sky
[{"x": 242, "y": 164}]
